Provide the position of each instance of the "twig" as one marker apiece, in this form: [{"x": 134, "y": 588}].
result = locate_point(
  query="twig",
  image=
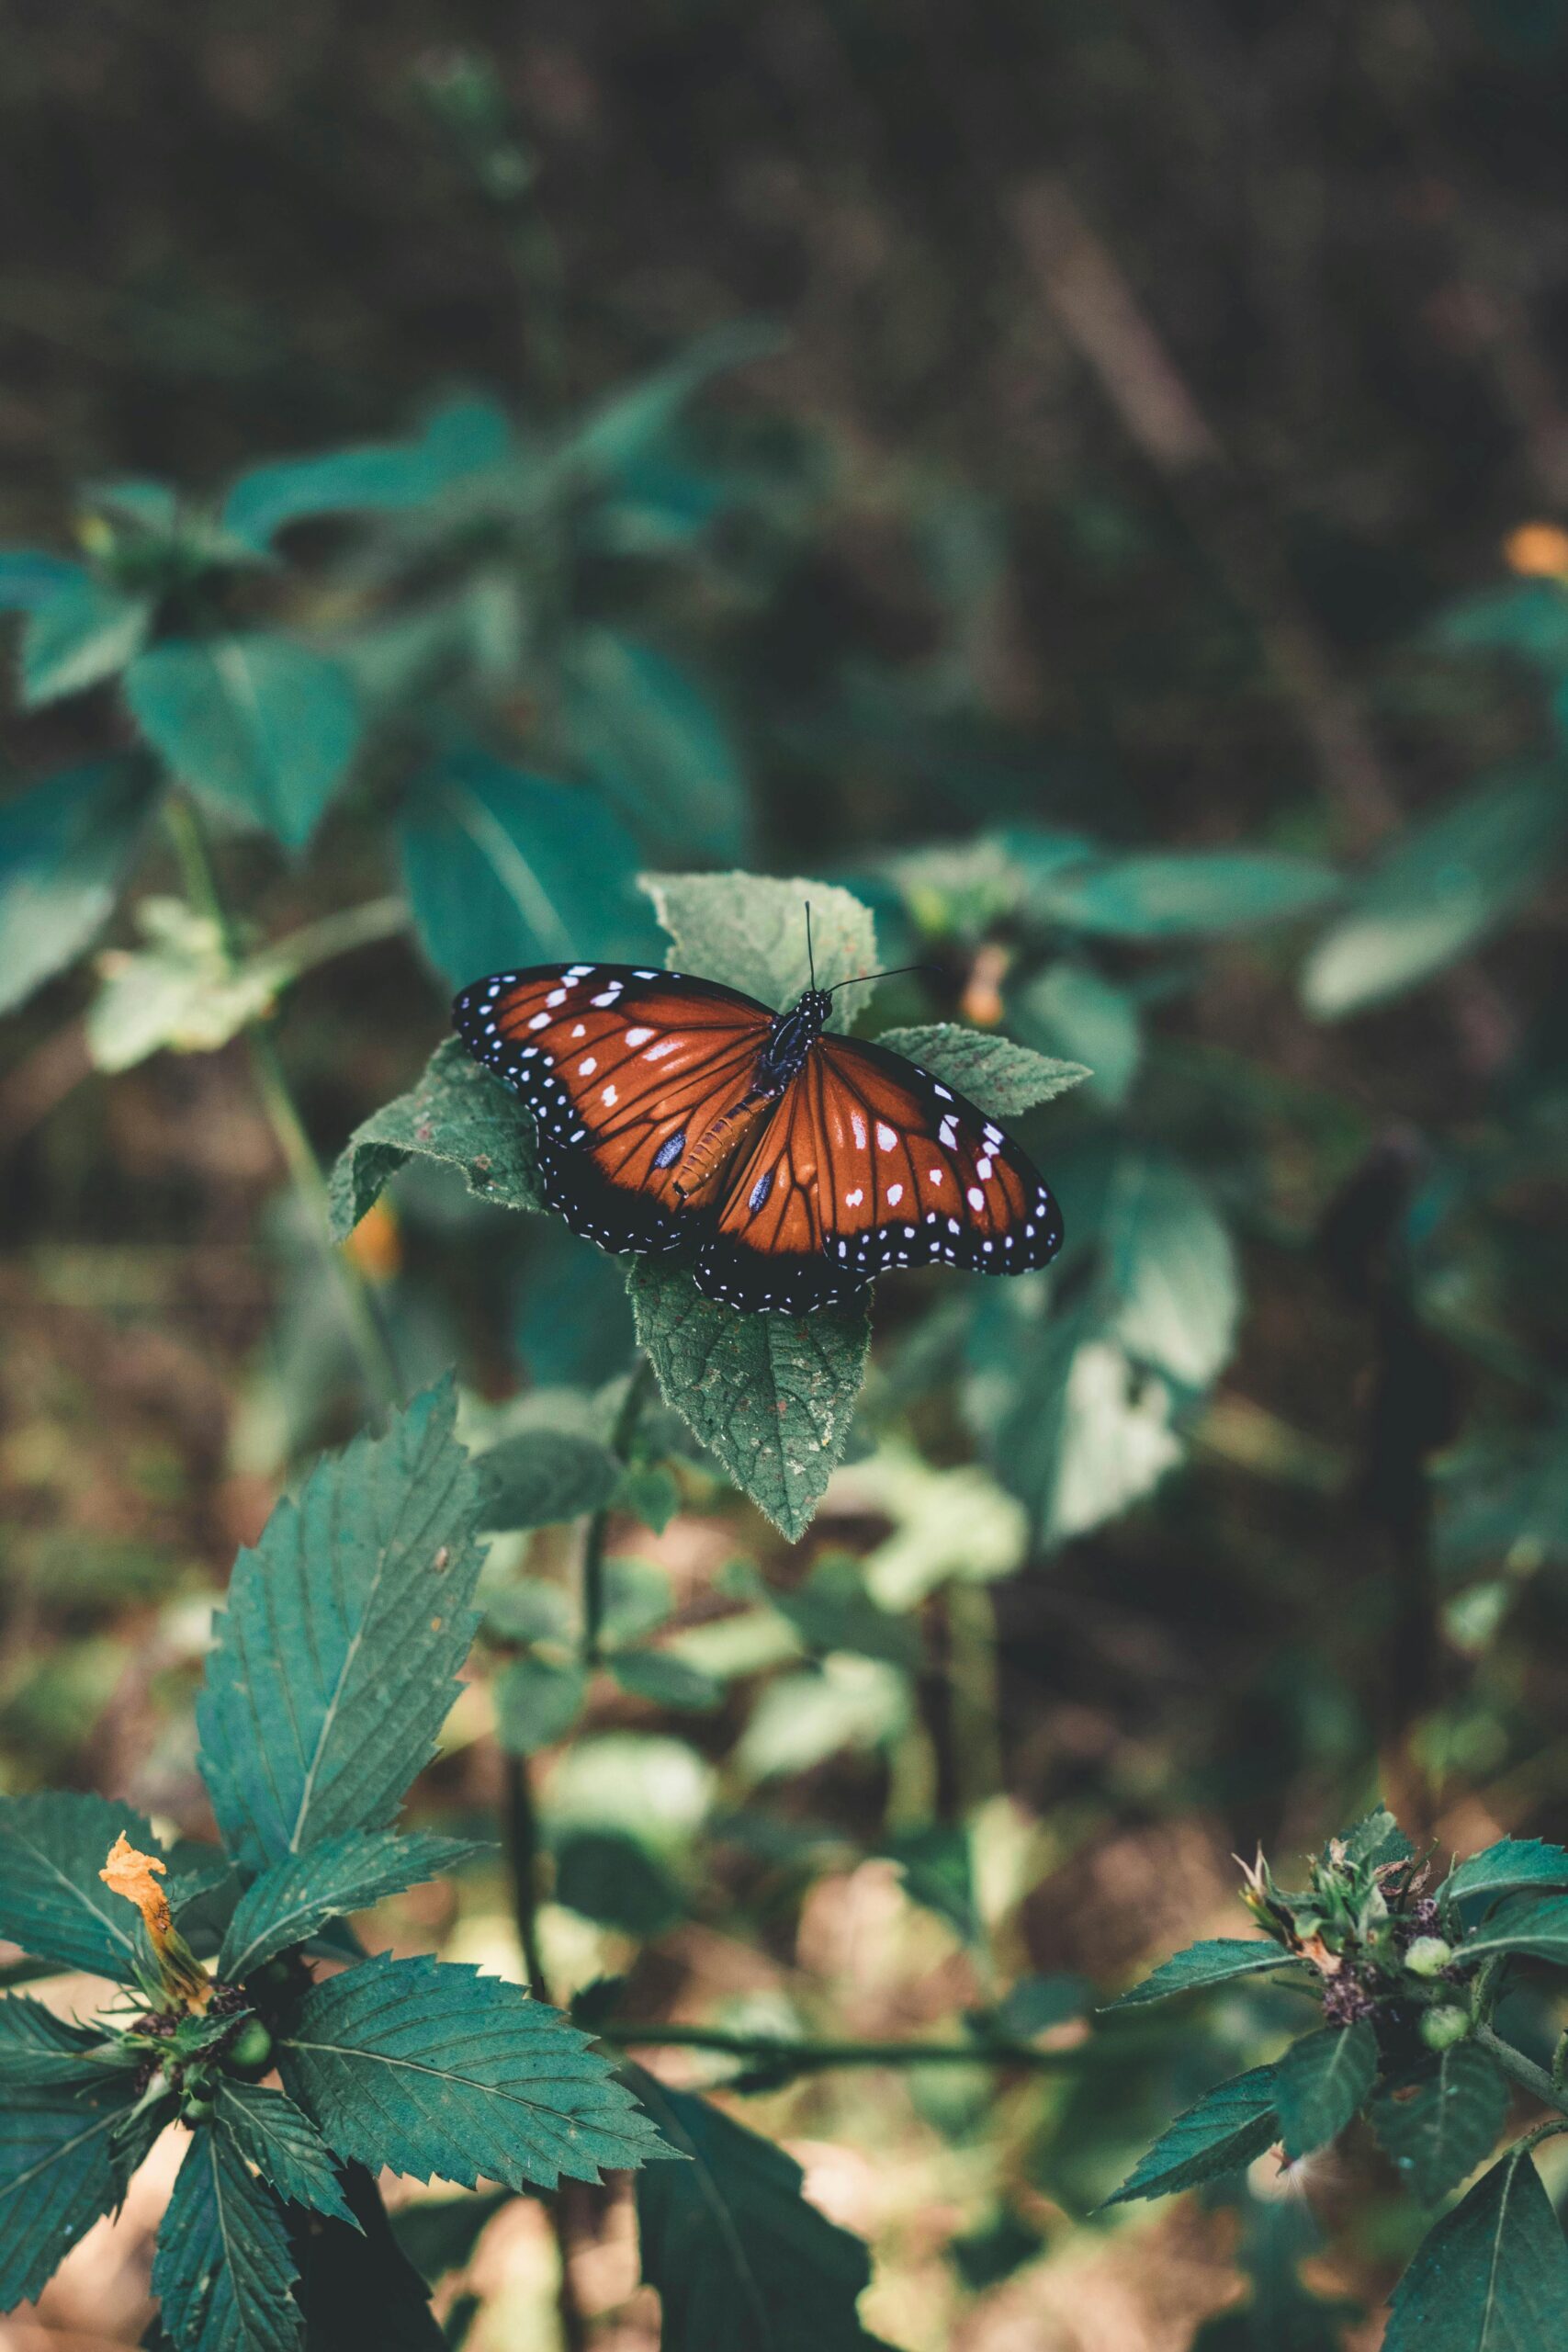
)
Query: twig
[
  {"x": 1525, "y": 2072},
  {"x": 597, "y": 1533},
  {"x": 815, "y": 2057}
]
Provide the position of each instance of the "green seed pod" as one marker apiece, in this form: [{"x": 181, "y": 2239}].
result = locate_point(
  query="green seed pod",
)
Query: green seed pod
[
  {"x": 195, "y": 2108},
  {"x": 249, "y": 2055},
  {"x": 1442, "y": 2028},
  {"x": 1427, "y": 1956}
]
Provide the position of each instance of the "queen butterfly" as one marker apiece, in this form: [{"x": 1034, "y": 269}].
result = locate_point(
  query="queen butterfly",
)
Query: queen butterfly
[{"x": 678, "y": 1114}]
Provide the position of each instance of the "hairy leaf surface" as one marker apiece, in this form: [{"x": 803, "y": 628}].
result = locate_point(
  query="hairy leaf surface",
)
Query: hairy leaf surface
[{"x": 458, "y": 1115}]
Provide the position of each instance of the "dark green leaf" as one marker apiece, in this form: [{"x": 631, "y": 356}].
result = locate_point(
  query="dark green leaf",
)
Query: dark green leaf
[
  {"x": 638, "y": 1598},
  {"x": 463, "y": 438},
  {"x": 88, "y": 632},
  {"x": 505, "y": 869},
  {"x": 458, "y": 1115},
  {"x": 65, "y": 846},
  {"x": 1492, "y": 2276},
  {"x": 1228, "y": 2128},
  {"x": 337, "y": 1658},
  {"x": 654, "y": 743},
  {"x": 39, "y": 2051},
  {"x": 529, "y": 1611},
  {"x": 650, "y": 1493},
  {"x": 56, "y": 2178},
  {"x": 542, "y": 1478},
  {"x": 1441, "y": 887},
  {"x": 1216, "y": 1960},
  {"x": 431, "y": 2068},
  {"x": 357, "y": 2286},
  {"x": 439, "y": 2233},
  {"x": 537, "y": 1702},
  {"x": 1073, "y": 1009},
  {"x": 1003, "y": 1079},
  {"x": 833, "y": 1611},
  {"x": 264, "y": 728},
  {"x": 772, "y": 1396},
  {"x": 1438, "y": 2128},
  {"x": 223, "y": 2270},
  {"x": 31, "y": 579},
  {"x": 665, "y": 1680},
  {"x": 632, "y": 420},
  {"x": 283, "y": 2143},
  {"x": 939, "y": 1871},
  {"x": 611, "y": 1876},
  {"x": 1185, "y": 894},
  {"x": 1374, "y": 1841},
  {"x": 1281, "y": 2314},
  {"x": 1505, "y": 1868},
  {"x": 52, "y": 1901},
  {"x": 748, "y": 930},
  {"x": 1171, "y": 1268},
  {"x": 1035, "y": 2004},
  {"x": 288, "y": 1903},
  {"x": 1538, "y": 1929},
  {"x": 1320, "y": 2081},
  {"x": 737, "y": 2254}
]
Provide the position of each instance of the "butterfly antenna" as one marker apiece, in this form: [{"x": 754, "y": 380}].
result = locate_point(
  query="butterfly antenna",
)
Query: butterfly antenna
[
  {"x": 810, "y": 959},
  {"x": 860, "y": 978}
]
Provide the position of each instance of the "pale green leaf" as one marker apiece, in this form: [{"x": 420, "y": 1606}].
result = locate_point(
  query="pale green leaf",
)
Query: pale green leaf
[
  {"x": 538, "y": 1700},
  {"x": 263, "y": 727},
  {"x": 337, "y": 1658},
  {"x": 1226, "y": 2130},
  {"x": 629, "y": 423},
  {"x": 1320, "y": 2081},
  {"x": 458, "y": 1115},
  {"x": 1086, "y": 1431},
  {"x": 52, "y": 1901},
  {"x": 65, "y": 847},
  {"x": 1438, "y": 2128},
  {"x": 461, "y": 439},
  {"x": 179, "y": 990},
  {"x": 290, "y": 1901},
  {"x": 223, "y": 2272},
  {"x": 1493, "y": 2275},
  {"x": 1003, "y": 1079},
  {"x": 666, "y": 1681},
  {"x": 432, "y": 2069},
  {"x": 748, "y": 931},
  {"x": 273, "y": 2135},
  {"x": 1217, "y": 1961},
  {"x": 31, "y": 579},
  {"x": 1172, "y": 1268},
  {"x": 802, "y": 1719}
]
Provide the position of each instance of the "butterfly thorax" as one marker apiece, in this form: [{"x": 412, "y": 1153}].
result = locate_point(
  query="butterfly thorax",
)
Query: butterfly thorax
[{"x": 782, "y": 1057}]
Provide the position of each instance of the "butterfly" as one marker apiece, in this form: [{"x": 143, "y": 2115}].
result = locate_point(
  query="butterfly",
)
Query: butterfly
[{"x": 792, "y": 1165}]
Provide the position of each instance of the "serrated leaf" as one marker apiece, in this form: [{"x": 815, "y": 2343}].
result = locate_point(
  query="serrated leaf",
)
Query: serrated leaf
[
  {"x": 1437, "y": 892},
  {"x": 1438, "y": 2129},
  {"x": 431, "y": 2069},
  {"x": 1216, "y": 1960},
  {"x": 462, "y": 438},
  {"x": 79, "y": 637},
  {"x": 748, "y": 931},
  {"x": 1493, "y": 2275},
  {"x": 543, "y": 1477},
  {"x": 53, "y": 1902},
  {"x": 1537, "y": 1929},
  {"x": 288, "y": 1903},
  {"x": 655, "y": 743},
  {"x": 65, "y": 847},
  {"x": 771, "y": 1395},
  {"x": 224, "y": 2270},
  {"x": 337, "y": 1658},
  {"x": 1320, "y": 2081},
  {"x": 537, "y": 1702},
  {"x": 1185, "y": 894},
  {"x": 1228, "y": 2127},
  {"x": 1374, "y": 1841},
  {"x": 275, "y": 2136},
  {"x": 39, "y": 2049},
  {"x": 1003, "y": 1078},
  {"x": 1508, "y": 1867},
  {"x": 57, "y": 2178},
  {"x": 738, "y": 2255},
  {"x": 264, "y": 728},
  {"x": 458, "y": 1115}
]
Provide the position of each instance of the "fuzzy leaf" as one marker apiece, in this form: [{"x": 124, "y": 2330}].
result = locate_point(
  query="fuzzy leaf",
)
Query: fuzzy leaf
[
  {"x": 261, "y": 727},
  {"x": 431, "y": 2068},
  {"x": 337, "y": 1658},
  {"x": 748, "y": 930},
  {"x": 457, "y": 1114},
  {"x": 738, "y": 2255},
  {"x": 65, "y": 847},
  {"x": 1228, "y": 2127},
  {"x": 772, "y": 1396},
  {"x": 53, "y": 1902},
  {"x": 56, "y": 2178},
  {"x": 39, "y": 2049},
  {"x": 223, "y": 2270},
  {"x": 283, "y": 2143},
  {"x": 1538, "y": 1929},
  {"x": 1439, "y": 2129},
  {"x": 1320, "y": 2081},
  {"x": 1504, "y": 1868},
  {"x": 1213, "y": 1961},
  {"x": 299, "y": 1895},
  {"x": 1492, "y": 2276},
  {"x": 542, "y": 1478},
  {"x": 1003, "y": 1078}
]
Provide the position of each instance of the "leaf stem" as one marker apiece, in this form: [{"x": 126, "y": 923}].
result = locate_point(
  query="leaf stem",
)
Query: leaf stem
[
  {"x": 596, "y": 1534},
  {"x": 815, "y": 2057},
  {"x": 1525, "y": 2072}
]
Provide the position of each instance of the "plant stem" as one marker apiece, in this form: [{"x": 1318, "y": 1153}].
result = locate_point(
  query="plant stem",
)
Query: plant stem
[
  {"x": 523, "y": 1861},
  {"x": 1525, "y": 2072},
  {"x": 378, "y": 1369},
  {"x": 815, "y": 2057},
  {"x": 596, "y": 1533}
]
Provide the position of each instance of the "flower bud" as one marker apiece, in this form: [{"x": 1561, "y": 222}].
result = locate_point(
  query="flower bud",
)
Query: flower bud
[
  {"x": 1442, "y": 2028},
  {"x": 1427, "y": 1956},
  {"x": 249, "y": 2055}
]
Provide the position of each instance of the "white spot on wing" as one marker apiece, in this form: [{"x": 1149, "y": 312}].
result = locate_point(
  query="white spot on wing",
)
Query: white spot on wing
[
  {"x": 976, "y": 1198},
  {"x": 853, "y": 1200},
  {"x": 540, "y": 1021},
  {"x": 885, "y": 1139},
  {"x": 668, "y": 1046},
  {"x": 638, "y": 1036},
  {"x": 587, "y": 1066},
  {"x": 895, "y": 1194},
  {"x": 858, "y": 1123},
  {"x": 608, "y": 1096}
]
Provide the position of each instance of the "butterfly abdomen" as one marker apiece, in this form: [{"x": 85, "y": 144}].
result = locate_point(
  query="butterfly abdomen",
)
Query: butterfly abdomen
[{"x": 714, "y": 1147}]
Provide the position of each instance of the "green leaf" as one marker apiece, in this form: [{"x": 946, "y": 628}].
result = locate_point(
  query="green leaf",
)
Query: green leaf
[
  {"x": 52, "y": 1901},
  {"x": 288, "y": 1903},
  {"x": 461, "y": 439},
  {"x": 356, "y": 2285},
  {"x": 40, "y": 2050},
  {"x": 1228, "y": 2128},
  {"x": 1172, "y": 1268},
  {"x": 65, "y": 847},
  {"x": 1320, "y": 2081},
  {"x": 655, "y": 744},
  {"x": 337, "y": 1658},
  {"x": 458, "y": 1115},
  {"x": 431, "y": 2068},
  {"x": 1216, "y": 1960},
  {"x": 737, "y": 2254},
  {"x": 264, "y": 728},
  {"x": 1187, "y": 894},
  {"x": 1073, "y": 1009},
  {"x": 1084, "y": 1431},
  {"x": 632, "y": 420},
  {"x": 179, "y": 990},
  {"x": 1502, "y": 1869},
  {"x": 29, "y": 579},
  {"x": 801, "y": 1719},
  {"x": 771, "y": 1395},
  {"x": 834, "y": 1611},
  {"x": 543, "y": 1477},
  {"x": 1438, "y": 891},
  {"x": 273, "y": 2135},
  {"x": 56, "y": 2178},
  {"x": 86, "y": 634},
  {"x": 1376, "y": 1839},
  {"x": 1438, "y": 2128},
  {"x": 223, "y": 2270},
  {"x": 665, "y": 1680},
  {"x": 537, "y": 1702},
  {"x": 505, "y": 868},
  {"x": 748, "y": 931},
  {"x": 1003, "y": 1079},
  {"x": 439, "y": 2233},
  {"x": 638, "y": 1598},
  {"x": 1492, "y": 2276},
  {"x": 1539, "y": 1929}
]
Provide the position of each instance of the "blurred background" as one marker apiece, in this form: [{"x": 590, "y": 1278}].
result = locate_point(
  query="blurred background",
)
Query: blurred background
[{"x": 1095, "y": 482}]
